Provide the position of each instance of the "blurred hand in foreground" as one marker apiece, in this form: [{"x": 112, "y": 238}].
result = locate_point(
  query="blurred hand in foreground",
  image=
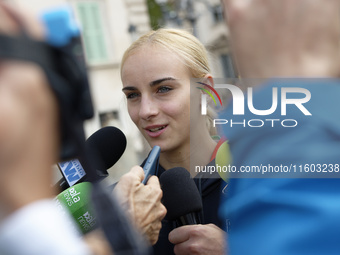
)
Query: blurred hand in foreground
[{"x": 287, "y": 38}]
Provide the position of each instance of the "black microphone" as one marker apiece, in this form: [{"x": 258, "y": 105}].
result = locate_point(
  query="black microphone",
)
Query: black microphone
[
  {"x": 181, "y": 197},
  {"x": 110, "y": 143},
  {"x": 103, "y": 148}
]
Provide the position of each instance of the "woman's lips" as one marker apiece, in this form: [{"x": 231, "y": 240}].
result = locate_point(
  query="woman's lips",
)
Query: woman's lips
[{"x": 155, "y": 130}]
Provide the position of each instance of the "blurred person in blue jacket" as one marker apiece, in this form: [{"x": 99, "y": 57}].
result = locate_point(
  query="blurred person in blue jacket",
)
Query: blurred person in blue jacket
[{"x": 294, "y": 209}]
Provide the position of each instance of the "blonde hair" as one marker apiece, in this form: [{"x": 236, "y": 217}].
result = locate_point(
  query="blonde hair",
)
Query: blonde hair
[{"x": 189, "y": 49}]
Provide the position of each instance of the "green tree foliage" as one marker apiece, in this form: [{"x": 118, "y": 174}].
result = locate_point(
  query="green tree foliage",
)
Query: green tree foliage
[{"x": 155, "y": 13}]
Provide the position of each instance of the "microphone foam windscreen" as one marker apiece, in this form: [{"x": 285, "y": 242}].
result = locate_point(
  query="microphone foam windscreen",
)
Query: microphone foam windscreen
[
  {"x": 180, "y": 194},
  {"x": 109, "y": 144}
]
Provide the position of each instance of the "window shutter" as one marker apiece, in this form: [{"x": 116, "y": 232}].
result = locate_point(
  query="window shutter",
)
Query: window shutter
[{"x": 93, "y": 32}]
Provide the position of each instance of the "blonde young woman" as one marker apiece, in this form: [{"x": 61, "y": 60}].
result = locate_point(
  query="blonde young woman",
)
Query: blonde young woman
[{"x": 156, "y": 72}]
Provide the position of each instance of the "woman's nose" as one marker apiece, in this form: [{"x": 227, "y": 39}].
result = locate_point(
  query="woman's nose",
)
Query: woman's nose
[{"x": 148, "y": 108}]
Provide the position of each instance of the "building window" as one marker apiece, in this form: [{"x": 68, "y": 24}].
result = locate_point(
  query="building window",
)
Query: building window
[
  {"x": 217, "y": 12},
  {"x": 91, "y": 19},
  {"x": 109, "y": 119},
  {"x": 227, "y": 65}
]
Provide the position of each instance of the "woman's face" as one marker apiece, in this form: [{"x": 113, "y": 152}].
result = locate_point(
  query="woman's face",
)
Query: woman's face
[{"x": 157, "y": 87}]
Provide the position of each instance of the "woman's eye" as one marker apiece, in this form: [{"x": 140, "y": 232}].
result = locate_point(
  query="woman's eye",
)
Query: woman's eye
[
  {"x": 132, "y": 95},
  {"x": 164, "y": 89}
]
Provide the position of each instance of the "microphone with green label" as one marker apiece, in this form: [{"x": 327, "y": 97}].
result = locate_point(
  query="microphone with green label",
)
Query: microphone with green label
[
  {"x": 91, "y": 206},
  {"x": 77, "y": 201}
]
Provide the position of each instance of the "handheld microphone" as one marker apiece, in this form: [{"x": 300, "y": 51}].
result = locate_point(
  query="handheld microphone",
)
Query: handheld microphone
[
  {"x": 108, "y": 144},
  {"x": 77, "y": 201},
  {"x": 180, "y": 197},
  {"x": 104, "y": 148},
  {"x": 91, "y": 206}
]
